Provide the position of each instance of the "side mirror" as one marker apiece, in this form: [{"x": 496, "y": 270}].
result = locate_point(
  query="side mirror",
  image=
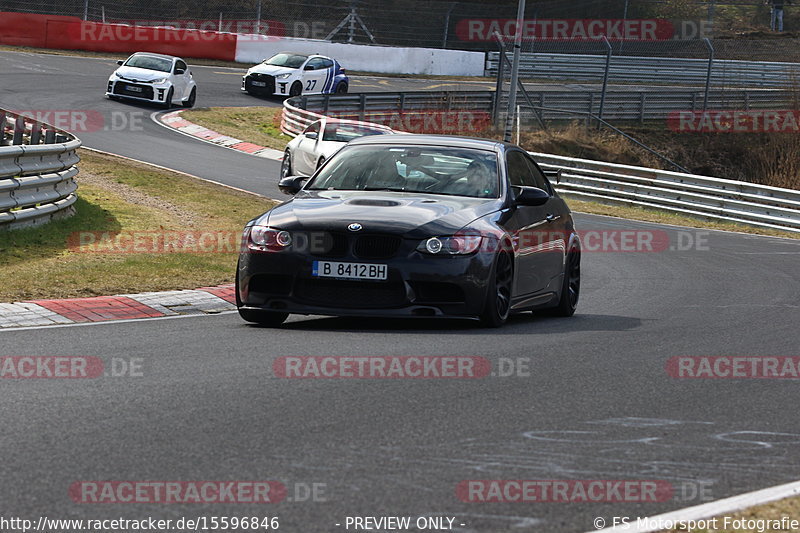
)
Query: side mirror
[
  {"x": 179, "y": 71},
  {"x": 291, "y": 185},
  {"x": 313, "y": 135},
  {"x": 553, "y": 175},
  {"x": 119, "y": 62},
  {"x": 531, "y": 196}
]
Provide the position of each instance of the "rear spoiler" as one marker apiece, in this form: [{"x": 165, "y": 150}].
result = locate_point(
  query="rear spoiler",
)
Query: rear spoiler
[{"x": 553, "y": 175}]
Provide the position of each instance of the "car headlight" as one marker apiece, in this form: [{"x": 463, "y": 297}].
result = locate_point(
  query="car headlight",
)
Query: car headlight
[
  {"x": 283, "y": 76},
  {"x": 117, "y": 74},
  {"x": 453, "y": 245},
  {"x": 158, "y": 81},
  {"x": 266, "y": 239}
]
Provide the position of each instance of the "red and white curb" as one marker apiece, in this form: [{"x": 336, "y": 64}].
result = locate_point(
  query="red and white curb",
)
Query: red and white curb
[
  {"x": 705, "y": 511},
  {"x": 205, "y": 300},
  {"x": 174, "y": 120}
]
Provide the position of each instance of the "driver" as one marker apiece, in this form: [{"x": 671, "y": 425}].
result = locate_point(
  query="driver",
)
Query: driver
[{"x": 477, "y": 181}]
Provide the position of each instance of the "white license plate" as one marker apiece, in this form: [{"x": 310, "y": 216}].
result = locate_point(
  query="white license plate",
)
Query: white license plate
[
  {"x": 331, "y": 269},
  {"x": 259, "y": 83},
  {"x": 133, "y": 89}
]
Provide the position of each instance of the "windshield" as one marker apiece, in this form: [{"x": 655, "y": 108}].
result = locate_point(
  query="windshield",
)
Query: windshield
[
  {"x": 286, "y": 60},
  {"x": 344, "y": 133},
  {"x": 150, "y": 63},
  {"x": 420, "y": 169}
]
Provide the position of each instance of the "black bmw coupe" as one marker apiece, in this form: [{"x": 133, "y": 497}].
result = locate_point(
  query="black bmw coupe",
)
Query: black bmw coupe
[{"x": 413, "y": 226}]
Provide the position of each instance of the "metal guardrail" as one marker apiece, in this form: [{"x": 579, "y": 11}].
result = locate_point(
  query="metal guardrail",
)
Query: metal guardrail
[
  {"x": 703, "y": 196},
  {"x": 690, "y": 194},
  {"x": 628, "y": 105},
  {"x": 652, "y": 70},
  {"x": 37, "y": 171}
]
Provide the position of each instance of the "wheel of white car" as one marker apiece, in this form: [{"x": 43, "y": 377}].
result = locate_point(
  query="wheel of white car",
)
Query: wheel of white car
[
  {"x": 192, "y": 98},
  {"x": 168, "y": 101},
  {"x": 296, "y": 89},
  {"x": 286, "y": 165},
  {"x": 341, "y": 88}
]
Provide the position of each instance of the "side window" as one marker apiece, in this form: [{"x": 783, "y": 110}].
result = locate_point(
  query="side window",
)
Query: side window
[
  {"x": 538, "y": 177},
  {"x": 326, "y": 63},
  {"x": 314, "y": 128},
  {"x": 316, "y": 63},
  {"x": 519, "y": 170}
]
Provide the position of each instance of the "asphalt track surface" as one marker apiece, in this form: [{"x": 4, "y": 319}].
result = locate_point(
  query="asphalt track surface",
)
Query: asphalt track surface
[{"x": 597, "y": 403}]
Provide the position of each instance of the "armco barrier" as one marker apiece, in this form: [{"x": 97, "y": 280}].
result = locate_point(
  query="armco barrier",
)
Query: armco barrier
[
  {"x": 37, "y": 171},
  {"x": 652, "y": 70},
  {"x": 632, "y": 105},
  {"x": 702, "y": 196}
]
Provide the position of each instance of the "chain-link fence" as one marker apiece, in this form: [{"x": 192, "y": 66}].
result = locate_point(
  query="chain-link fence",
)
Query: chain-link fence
[{"x": 440, "y": 23}]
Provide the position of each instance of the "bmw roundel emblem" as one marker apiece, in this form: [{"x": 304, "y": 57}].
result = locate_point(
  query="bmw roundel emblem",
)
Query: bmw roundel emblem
[{"x": 355, "y": 226}]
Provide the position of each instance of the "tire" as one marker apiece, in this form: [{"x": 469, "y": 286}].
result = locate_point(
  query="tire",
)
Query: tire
[
  {"x": 286, "y": 165},
  {"x": 168, "y": 101},
  {"x": 498, "y": 295},
  {"x": 114, "y": 98},
  {"x": 262, "y": 318},
  {"x": 320, "y": 162},
  {"x": 571, "y": 286},
  {"x": 342, "y": 88},
  {"x": 192, "y": 98},
  {"x": 296, "y": 89}
]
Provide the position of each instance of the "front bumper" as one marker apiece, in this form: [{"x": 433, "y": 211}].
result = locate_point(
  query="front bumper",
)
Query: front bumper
[
  {"x": 417, "y": 285},
  {"x": 137, "y": 91}
]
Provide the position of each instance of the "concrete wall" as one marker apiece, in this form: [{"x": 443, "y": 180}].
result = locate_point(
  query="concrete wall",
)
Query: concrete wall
[{"x": 383, "y": 59}]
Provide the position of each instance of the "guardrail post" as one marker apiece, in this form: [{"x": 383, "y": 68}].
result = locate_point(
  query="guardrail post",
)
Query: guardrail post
[
  {"x": 19, "y": 130},
  {"x": 362, "y": 107},
  {"x": 49, "y": 136},
  {"x": 605, "y": 82},
  {"x": 498, "y": 90},
  {"x": 2, "y": 128},
  {"x": 708, "y": 74},
  {"x": 36, "y": 133},
  {"x": 641, "y": 108}
]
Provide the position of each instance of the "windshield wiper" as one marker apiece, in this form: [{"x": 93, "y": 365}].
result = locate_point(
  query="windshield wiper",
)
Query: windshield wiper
[{"x": 388, "y": 189}]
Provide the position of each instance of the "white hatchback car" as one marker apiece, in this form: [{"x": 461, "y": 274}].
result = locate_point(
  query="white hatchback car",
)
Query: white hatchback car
[
  {"x": 308, "y": 151},
  {"x": 293, "y": 74},
  {"x": 153, "y": 78}
]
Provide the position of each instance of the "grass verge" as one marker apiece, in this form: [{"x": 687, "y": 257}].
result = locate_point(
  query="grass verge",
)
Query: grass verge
[
  {"x": 120, "y": 200},
  {"x": 258, "y": 125},
  {"x": 789, "y": 508}
]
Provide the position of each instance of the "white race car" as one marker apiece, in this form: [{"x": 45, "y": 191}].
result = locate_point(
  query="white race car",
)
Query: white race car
[
  {"x": 290, "y": 74},
  {"x": 153, "y": 78},
  {"x": 321, "y": 139}
]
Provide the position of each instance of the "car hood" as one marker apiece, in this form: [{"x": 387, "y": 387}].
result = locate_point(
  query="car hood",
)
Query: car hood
[
  {"x": 408, "y": 214},
  {"x": 270, "y": 69},
  {"x": 141, "y": 74}
]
